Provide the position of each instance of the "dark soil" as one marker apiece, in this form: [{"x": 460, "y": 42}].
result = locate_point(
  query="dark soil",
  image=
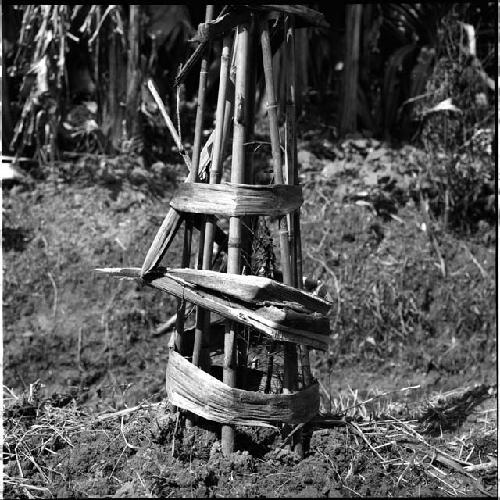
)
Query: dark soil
[
  {"x": 149, "y": 453},
  {"x": 86, "y": 346}
]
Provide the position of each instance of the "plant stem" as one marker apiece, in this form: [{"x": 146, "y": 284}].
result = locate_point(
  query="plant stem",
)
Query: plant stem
[{"x": 133, "y": 72}]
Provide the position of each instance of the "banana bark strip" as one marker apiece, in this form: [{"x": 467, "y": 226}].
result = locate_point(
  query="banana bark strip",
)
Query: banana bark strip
[
  {"x": 283, "y": 324},
  {"x": 235, "y": 200},
  {"x": 194, "y": 390},
  {"x": 254, "y": 289}
]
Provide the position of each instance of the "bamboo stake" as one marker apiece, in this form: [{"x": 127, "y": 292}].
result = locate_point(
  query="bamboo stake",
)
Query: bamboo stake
[
  {"x": 233, "y": 251},
  {"x": 203, "y": 332},
  {"x": 195, "y": 160},
  {"x": 293, "y": 178},
  {"x": 200, "y": 111},
  {"x": 290, "y": 353},
  {"x": 249, "y": 222},
  {"x": 275, "y": 143},
  {"x": 181, "y": 304},
  {"x": 292, "y": 164}
]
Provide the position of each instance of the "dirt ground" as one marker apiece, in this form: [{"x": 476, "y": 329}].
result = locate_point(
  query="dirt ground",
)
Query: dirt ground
[{"x": 84, "y": 409}]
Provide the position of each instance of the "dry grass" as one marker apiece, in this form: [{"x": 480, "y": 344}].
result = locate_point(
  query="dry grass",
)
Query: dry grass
[
  {"x": 390, "y": 297},
  {"x": 42, "y": 446}
]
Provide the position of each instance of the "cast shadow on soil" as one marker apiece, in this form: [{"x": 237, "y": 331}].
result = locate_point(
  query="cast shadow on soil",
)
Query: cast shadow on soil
[
  {"x": 256, "y": 441},
  {"x": 15, "y": 238}
]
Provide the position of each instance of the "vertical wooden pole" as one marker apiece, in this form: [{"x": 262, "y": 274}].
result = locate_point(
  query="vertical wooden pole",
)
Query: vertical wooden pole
[
  {"x": 290, "y": 353},
  {"x": 249, "y": 221},
  {"x": 181, "y": 304},
  {"x": 195, "y": 160},
  {"x": 214, "y": 178},
  {"x": 291, "y": 153},
  {"x": 293, "y": 178},
  {"x": 216, "y": 175},
  {"x": 272, "y": 112},
  {"x": 234, "y": 243},
  {"x": 195, "y": 163},
  {"x": 250, "y": 103},
  {"x": 200, "y": 110}
]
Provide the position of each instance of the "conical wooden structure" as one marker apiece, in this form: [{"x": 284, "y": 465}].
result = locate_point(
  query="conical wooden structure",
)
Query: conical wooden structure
[{"x": 259, "y": 306}]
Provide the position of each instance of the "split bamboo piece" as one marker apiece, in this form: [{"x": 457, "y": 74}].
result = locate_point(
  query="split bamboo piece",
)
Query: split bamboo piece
[
  {"x": 170, "y": 125},
  {"x": 290, "y": 353},
  {"x": 234, "y": 251}
]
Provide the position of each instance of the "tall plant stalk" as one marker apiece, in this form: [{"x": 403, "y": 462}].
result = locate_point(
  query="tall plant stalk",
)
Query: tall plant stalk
[
  {"x": 234, "y": 243},
  {"x": 117, "y": 80},
  {"x": 349, "y": 112},
  {"x": 133, "y": 72}
]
